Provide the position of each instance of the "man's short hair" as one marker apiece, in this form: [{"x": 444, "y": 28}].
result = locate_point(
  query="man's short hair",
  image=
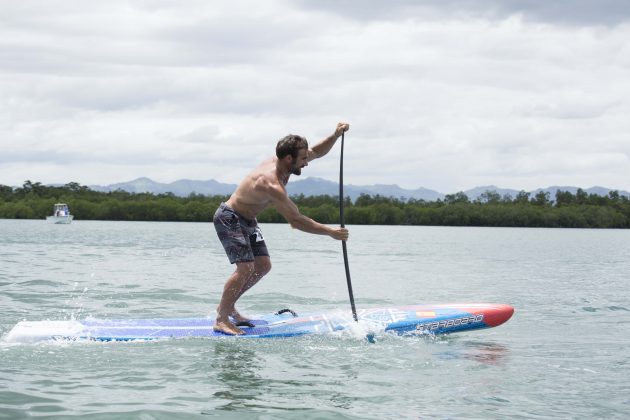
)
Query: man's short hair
[{"x": 290, "y": 145}]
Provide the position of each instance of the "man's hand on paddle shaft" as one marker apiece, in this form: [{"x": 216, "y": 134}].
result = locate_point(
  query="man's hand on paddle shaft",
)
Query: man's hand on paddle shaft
[
  {"x": 342, "y": 127},
  {"x": 341, "y": 234}
]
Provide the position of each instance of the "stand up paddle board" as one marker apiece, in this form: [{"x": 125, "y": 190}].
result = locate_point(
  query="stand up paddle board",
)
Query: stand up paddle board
[{"x": 402, "y": 320}]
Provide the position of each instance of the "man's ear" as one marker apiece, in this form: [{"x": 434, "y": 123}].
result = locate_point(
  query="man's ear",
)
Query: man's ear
[{"x": 288, "y": 159}]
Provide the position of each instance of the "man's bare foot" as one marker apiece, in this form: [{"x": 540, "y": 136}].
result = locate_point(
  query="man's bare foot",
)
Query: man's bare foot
[{"x": 227, "y": 327}]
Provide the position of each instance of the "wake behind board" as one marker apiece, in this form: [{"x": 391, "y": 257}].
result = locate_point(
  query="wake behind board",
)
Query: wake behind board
[{"x": 403, "y": 320}]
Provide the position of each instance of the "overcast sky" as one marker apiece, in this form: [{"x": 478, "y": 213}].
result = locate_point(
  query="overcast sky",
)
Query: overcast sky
[{"x": 446, "y": 95}]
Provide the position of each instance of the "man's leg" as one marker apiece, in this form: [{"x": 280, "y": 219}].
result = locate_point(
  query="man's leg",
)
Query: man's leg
[
  {"x": 262, "y": 266},
  {"x": 231, "y": 292}
]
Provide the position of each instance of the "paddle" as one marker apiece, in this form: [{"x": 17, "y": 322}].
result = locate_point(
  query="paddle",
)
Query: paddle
[{"x": 343, "y": 243}]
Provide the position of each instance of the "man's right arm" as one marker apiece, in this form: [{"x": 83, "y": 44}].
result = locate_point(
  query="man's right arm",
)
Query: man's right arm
[
  {"x": 323, "y": 147},
  {"x": 289, "y": 211}
]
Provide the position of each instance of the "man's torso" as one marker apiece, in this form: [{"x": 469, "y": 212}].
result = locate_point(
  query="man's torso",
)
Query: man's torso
[{"x": 252, "y": 195}]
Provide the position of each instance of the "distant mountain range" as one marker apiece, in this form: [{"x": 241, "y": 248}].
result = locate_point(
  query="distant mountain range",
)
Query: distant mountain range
[
  {"x": 318, "y": 186},
  {"x": 181, "y": 188}
]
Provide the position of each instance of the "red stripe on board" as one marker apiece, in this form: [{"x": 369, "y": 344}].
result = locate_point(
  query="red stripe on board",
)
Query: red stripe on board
[{"x": 495, "y": 315}]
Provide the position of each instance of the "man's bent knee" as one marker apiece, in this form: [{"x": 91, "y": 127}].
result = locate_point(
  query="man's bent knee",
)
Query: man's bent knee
[
  {"x": 262, "y": 265},
  {"x": 245, "y": 268}
]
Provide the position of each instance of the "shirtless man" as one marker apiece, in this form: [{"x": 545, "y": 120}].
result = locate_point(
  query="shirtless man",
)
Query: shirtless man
[{"x": 237, "y": 228}]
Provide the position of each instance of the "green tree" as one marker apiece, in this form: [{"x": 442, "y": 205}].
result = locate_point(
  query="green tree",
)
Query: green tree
[
  {"x": 581, "y": 197},
  {"x": 456, "y": 198},
  {"x": 564, "y": 198},
  {"x": 490, "y": 197},
  {"x": 6, "y": 192},
  {"x": 541, "y": 199},
  {"x": 522, "y": 197}
]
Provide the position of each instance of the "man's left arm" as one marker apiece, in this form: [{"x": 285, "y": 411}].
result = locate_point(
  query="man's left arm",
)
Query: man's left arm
[{"x": 324, "y": 146}]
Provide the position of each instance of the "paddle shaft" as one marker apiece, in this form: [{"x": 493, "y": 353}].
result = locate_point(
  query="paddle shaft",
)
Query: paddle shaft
[{"x": 343, "y": 224}]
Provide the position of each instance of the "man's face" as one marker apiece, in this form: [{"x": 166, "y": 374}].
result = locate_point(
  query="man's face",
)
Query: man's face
[{"x": 300, "y": 162}]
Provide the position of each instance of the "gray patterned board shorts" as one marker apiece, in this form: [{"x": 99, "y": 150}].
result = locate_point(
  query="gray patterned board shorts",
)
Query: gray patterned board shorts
[{"x": 241, "y": 237}]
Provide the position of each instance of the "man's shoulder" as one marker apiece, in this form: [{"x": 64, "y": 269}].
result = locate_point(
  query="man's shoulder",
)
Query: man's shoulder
[
  {"x": 264, "y": 180},
  {"x": 268, "y": 181}
]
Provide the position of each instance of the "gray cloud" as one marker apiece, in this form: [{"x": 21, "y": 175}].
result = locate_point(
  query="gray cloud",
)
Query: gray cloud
[
  {"x": 444, "y": 96},
  {"x": 571, "y": 12}
]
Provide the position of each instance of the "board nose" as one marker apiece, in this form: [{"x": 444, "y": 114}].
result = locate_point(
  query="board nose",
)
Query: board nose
[{"x": 497, "y": 314}]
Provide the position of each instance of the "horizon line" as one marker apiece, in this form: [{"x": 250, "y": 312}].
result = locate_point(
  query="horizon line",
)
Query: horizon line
[{"x": 494, "y": 187}]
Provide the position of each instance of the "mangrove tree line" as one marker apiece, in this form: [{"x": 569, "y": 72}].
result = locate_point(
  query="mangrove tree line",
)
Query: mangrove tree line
[{"x": 579, "y": 210}]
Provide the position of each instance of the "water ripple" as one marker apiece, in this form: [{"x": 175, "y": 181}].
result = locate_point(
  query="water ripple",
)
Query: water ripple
[{"x": 553, "y": 359}]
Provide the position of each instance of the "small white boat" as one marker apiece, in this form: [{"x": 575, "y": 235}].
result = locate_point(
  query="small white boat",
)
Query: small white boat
[{"x": 61, "y": 215}]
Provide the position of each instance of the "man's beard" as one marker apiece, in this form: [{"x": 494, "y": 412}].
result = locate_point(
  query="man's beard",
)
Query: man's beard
[{"x": 296, "y": 171}]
